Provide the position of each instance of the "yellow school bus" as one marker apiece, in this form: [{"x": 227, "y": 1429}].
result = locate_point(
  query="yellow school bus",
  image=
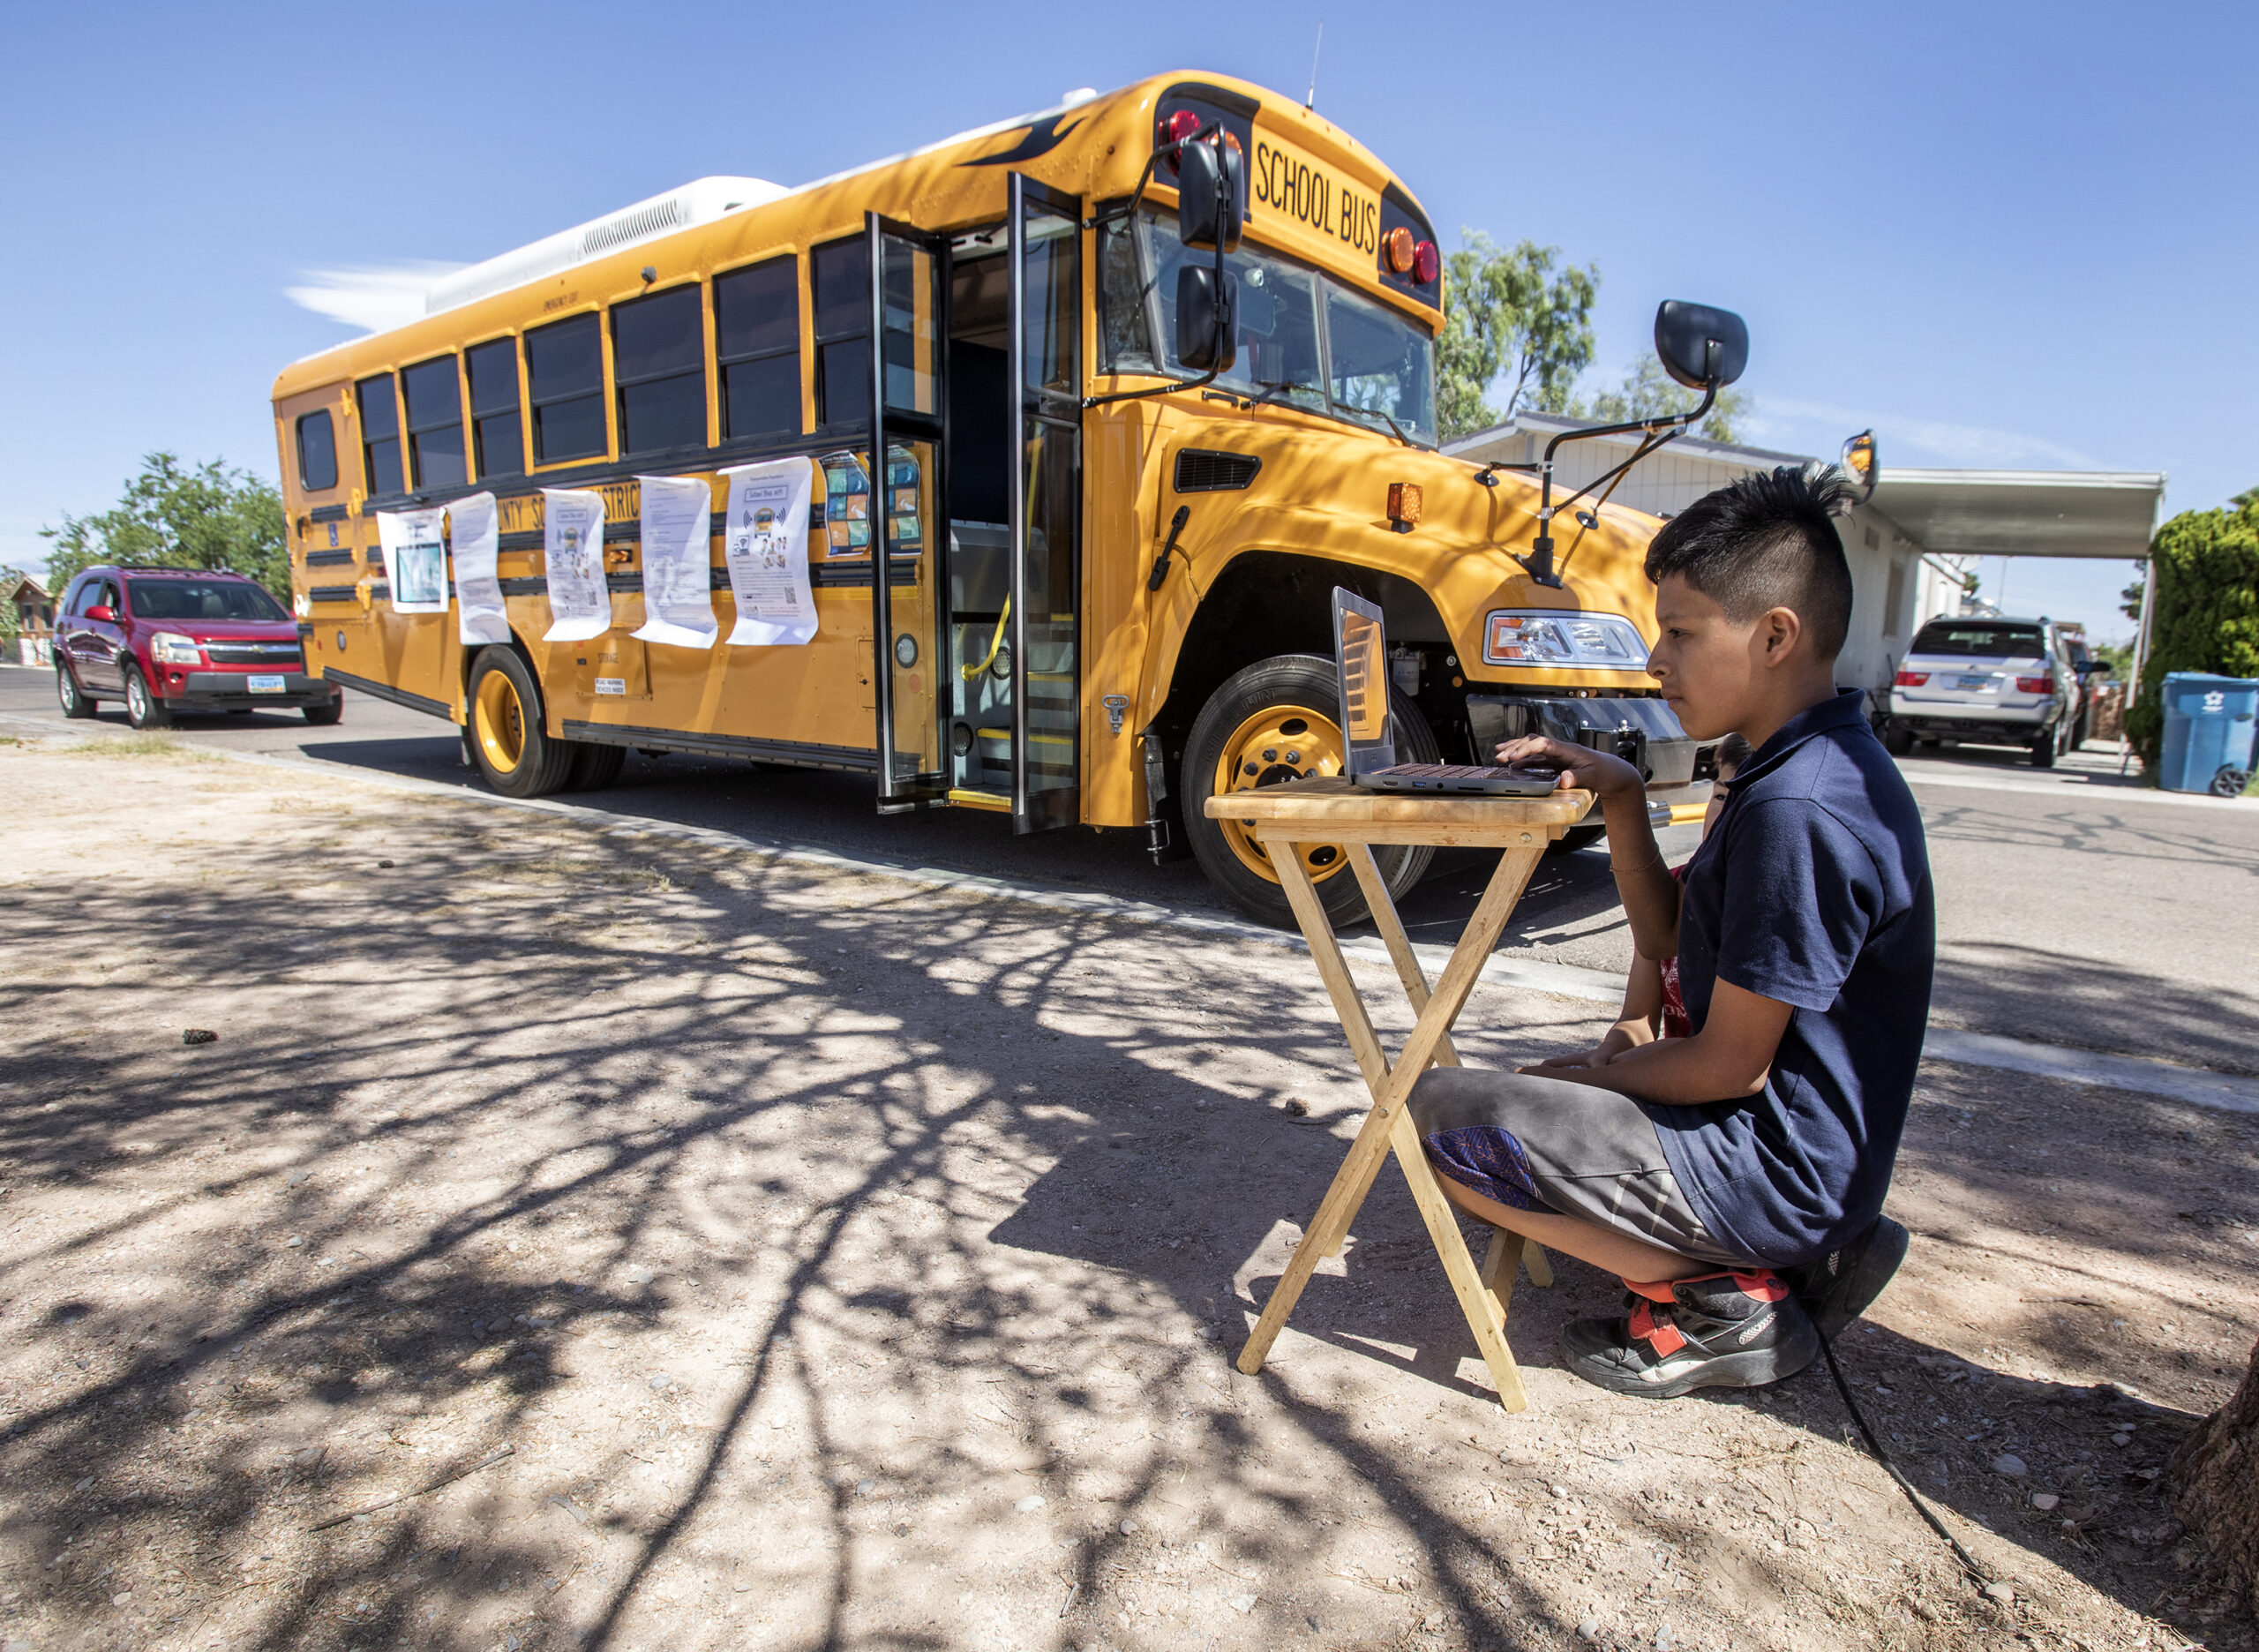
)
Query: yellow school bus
[{"x": 1071, "y": 557}]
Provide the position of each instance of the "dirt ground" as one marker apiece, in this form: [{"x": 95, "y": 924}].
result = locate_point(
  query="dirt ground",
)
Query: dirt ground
[{"x": 845, "y": 1262}]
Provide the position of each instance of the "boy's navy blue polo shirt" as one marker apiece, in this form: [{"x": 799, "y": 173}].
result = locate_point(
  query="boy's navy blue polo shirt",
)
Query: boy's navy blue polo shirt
[{"x": 1812, "y": 890}]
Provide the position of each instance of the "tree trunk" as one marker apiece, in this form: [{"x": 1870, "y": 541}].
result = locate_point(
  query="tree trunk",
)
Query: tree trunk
[{"x": 2214, "y": 1480}]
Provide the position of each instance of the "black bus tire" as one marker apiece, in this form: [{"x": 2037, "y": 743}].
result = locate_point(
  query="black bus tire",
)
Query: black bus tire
[
  {"x": 596, "y": 765},
  {"x": 1286, "y": 706},
  {"x": 507, "y": 741}
]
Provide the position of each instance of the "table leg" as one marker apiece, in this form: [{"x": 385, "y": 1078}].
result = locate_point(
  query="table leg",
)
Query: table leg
[
  {"x": 1392, "y": 936},
  {"x": 1416, "y": 987},
  {"x": 1476, "y": 1302},
  {"x": 1389, "y": 1086},
  {"x": 1541, "y": 1270},
  {"x": 1498, "y": 1265},
  {"x": 1354, "y": 1178}
]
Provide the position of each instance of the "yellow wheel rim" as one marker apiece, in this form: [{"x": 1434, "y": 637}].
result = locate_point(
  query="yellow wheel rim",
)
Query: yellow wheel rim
[
  {"x": 1278, "y": 744},
  {"x": 499, "y": 721}
]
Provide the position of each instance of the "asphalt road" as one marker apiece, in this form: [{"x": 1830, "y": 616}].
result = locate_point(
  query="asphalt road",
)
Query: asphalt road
[{"x": 2076, "y": 906}]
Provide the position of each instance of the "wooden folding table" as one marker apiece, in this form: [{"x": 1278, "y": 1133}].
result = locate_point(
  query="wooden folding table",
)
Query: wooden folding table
[{"x": 1289, "y": 820}]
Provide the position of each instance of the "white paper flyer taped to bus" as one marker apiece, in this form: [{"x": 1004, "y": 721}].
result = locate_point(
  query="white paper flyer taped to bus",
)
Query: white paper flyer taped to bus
[
  {"x": 415, "y": 559},
  {"x": 475, "y": 532},
  {"x": 572, "y": 547},
  {"x": 677, "y": 562},
  {"x": 765, "y": 546}
]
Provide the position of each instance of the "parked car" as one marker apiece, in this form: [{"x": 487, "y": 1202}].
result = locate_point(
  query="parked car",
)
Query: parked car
[
  {"x": 176, "y": 641},
  {"x": 1991, "y": 682}
]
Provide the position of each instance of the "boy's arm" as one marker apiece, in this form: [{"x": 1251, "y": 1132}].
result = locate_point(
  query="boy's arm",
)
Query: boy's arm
[
  {"x": 1727, "y": 1060},
  {"x": 1644, "y": 884},
  {"x": 1635, "y": 1023}
]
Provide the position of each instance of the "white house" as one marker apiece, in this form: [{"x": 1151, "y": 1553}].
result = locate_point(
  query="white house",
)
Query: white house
[{"x": 1905, "y": 544}]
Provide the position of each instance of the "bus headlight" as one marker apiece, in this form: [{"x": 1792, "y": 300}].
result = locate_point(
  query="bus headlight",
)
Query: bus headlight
[
  {"x": 168, "y": 648},
  {"x": 1554, "y": 636}
]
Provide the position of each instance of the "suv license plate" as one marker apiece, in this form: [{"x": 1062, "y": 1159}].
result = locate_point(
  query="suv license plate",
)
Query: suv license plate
[
  {"x": 1977, "y": 682},
  {"x": 265, "y": 682}
]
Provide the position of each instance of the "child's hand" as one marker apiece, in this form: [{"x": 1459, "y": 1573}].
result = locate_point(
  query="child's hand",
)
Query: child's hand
[
  {"x": 1600, "y": 773},
  {"x": 1560, "y": 1066},
  {"x": 1613, "y": 1044},
  {"x": 1599, "y": 1055}
]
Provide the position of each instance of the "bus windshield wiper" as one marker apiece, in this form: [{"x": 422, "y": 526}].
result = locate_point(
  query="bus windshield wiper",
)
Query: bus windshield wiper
[
  {"x": 1272, "y": 392},
  {"x": 1355, "y": 411}
]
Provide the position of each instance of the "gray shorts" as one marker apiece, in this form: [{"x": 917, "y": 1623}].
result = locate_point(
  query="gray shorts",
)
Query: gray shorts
[{"x": 1543, "y": 1144}]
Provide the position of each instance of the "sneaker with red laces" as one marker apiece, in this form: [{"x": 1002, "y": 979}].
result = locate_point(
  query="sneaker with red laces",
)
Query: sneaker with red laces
[{"x": 1720, "y": 1330}]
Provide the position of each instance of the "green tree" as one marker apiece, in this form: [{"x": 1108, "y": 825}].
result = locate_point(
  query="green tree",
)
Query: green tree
[
  {"x": 206, "y": 516},
  {"x": 1647, "y": 390},
  {"x": 2204, "y": 572},
  {"x": 1510, "y": 316}
]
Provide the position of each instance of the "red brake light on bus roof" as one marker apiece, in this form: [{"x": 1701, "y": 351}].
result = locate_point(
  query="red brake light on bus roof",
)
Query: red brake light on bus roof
[
  {"x": 1427, "y": 263},
  {"x": 1398, "y": 246},
  {"x": 1176, "y": 128}
]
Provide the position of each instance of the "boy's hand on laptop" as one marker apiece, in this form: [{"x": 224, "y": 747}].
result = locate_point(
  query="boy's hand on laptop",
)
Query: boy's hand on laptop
[{"x": 1600, "y": 773}]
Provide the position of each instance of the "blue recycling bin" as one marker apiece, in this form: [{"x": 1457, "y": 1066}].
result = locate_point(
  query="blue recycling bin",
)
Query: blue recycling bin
[{"x": 2209, "y": 729}]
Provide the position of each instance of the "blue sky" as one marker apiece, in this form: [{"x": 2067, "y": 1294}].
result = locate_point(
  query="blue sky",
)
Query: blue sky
[{"x": 2001, "y": 236}]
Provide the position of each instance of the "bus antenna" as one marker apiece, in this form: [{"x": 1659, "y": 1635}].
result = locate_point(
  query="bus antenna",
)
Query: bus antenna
[{"x": 1311, "y": 102}]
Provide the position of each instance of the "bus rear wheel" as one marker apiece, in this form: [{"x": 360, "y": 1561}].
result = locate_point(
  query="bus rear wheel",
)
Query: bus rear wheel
[
  {"x": 507, "y": 741},
  {"x": 1275, "y": 721}
]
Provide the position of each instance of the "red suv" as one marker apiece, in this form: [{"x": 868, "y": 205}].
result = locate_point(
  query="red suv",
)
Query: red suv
[{"x": 174, "y": 642}]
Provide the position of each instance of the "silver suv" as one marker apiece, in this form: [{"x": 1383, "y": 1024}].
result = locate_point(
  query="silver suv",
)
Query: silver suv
[{"x": 1991, "y": 682}]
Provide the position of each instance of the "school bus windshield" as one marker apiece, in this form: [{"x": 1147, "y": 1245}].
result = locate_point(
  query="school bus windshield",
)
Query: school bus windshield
[{"x": 1304, "y": 339}]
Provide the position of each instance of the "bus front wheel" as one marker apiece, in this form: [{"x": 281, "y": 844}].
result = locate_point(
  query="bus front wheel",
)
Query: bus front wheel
[
  {"x": 507, "y": 741},
  {"x": 1275, "y": 721}
]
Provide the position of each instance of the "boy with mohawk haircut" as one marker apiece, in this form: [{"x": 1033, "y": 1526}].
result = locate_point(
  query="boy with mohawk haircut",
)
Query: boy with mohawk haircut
[{"x": 1734, "y": 1178}]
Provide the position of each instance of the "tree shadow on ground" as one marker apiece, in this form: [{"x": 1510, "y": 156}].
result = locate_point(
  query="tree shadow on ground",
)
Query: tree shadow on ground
[{"x": 808, "y": 1148}]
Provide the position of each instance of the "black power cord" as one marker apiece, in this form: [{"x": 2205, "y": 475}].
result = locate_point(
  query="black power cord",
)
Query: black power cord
[{"x": 1874, "y": 1446}]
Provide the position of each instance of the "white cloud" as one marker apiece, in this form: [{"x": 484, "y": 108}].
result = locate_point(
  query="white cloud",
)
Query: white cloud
[
  {"x": 372, "y": 296},
  {"x": 1776, "y": 418}
]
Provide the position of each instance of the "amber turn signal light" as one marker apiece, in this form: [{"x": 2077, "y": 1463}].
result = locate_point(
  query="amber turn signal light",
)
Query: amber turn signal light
[
  {"x": 1399, "y": 243},
  {"x": 1404, "y": 506}
]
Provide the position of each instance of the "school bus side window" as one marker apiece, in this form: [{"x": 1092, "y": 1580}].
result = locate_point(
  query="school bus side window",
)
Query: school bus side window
[
  {"x": 757, "y": 347},
  {"x": 317, "y": 452},
  {"x": 498, "y": 441},
  {"x": 564, "y": 370},
  {"x": 379, "y": 436},
  {"x": 840, "y": 275},
  {"x": 435, "y": 424},
  {"x": 658, "y": 364}
]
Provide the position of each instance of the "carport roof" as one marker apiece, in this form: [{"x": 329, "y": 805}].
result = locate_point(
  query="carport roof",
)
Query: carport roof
[{"x": 2025, "y": 513}]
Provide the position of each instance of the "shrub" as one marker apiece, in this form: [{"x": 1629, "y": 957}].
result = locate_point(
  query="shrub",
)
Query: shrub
[{"x": 2205, "y": 579}]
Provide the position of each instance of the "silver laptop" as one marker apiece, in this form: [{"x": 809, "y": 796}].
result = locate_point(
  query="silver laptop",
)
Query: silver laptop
[{"x": 1360, "y": 663}]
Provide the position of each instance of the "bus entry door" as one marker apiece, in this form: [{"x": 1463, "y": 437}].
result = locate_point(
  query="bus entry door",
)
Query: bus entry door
[
  {"x": 903, "y": 504},
  {"x": 1043, "y": 501}
]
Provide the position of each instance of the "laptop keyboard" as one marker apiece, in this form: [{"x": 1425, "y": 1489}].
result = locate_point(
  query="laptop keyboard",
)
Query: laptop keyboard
[{"x": 1444, "y": 771}]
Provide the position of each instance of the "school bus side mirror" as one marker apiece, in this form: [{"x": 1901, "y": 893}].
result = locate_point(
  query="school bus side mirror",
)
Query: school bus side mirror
[
  {"x": 1206, "y": 299},
  {"x": 1702, "y": 347},
  {"x": 1860, "y": 466},
  {"x": 1211, "y": 195}
]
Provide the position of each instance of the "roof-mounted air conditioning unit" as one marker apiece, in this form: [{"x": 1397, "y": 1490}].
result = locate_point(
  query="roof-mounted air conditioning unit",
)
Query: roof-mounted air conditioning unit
[{"x": 701, "y": 201}]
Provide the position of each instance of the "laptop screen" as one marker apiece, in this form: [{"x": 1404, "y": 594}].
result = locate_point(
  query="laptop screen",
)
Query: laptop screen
[{"x": 1361, "y": 663}]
